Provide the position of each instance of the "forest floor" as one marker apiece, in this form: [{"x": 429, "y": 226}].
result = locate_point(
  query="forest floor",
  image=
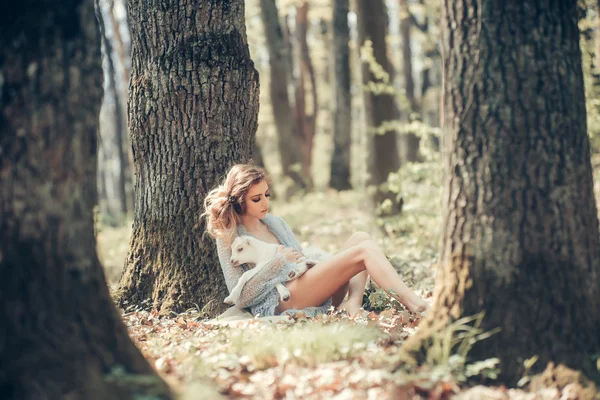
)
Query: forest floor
[{"x": 334, "y": 356}]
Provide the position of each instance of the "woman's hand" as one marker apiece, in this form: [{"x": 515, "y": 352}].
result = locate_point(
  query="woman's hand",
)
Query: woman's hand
[{"x": 289, "y": 254}]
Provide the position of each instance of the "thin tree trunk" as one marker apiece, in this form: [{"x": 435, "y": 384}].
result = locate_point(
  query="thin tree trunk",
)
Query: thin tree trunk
[
  {"x": 410, "y": 142},
  {"x": 112, "y": 142},
  {"x": 305, "y": 122},
  {"x": 193, "y": 109},
  {"x": 257, "y": 156},
  {"x": 61, "y": 335},
  {"x": 520, "y": 239},
  {"x": 342, "y": 119},
  {"x": 379, "y": 108},
  {"x": 428, "y": 54},
  {"x": 123, "y": 48},
  {"x": 598, "y": 35},
  {"x": 280, "y": 66}
]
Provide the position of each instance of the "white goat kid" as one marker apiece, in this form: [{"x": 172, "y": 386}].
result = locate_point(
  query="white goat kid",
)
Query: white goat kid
[{"x": 247, "y": 249}]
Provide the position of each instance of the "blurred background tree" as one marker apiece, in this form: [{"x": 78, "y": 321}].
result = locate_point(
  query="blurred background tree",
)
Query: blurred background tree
[{"x": 294, "y": 48}]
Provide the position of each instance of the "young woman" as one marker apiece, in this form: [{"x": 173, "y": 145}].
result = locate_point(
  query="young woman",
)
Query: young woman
[{"x": 240, "y": 205}]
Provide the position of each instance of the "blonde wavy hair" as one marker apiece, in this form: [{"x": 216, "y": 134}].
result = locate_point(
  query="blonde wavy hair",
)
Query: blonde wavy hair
[{"x": 224, "y": 205}]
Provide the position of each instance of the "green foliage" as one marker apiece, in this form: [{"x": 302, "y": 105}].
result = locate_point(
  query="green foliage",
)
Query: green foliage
[
  {"x": 419, "y": 184},
  {"x": 306, "y": 344},
  {"x": 446, "y": 354},
  {"x": 411, "y": 123},
  {"x": 141, "y": 387},
  {"x": 528, "y": 364},
  {"x": 378, "y": 300}
]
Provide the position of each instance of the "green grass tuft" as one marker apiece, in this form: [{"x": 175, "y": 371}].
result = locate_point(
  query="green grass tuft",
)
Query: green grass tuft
[{"x": 305, "y": 344}]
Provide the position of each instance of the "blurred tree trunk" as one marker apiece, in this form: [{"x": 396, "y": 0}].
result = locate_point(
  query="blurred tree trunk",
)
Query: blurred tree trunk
[
  {"x": 598, "y": 34},
  {"x": 410, "y": 142},
  {"x": 429, "y": 53},
  {"x": 520, "y": 239},
  {"x": 280, "y": 67},
  {"x": 305, "y": 122},
  {"x": 121, "y": 39},
  {"x": 61, "y": 335},
  {"x": 340, "y": 160},
  {"x": 114, "y": 162},
  {"x": 257, "y": 156},
  {"x": 379, "y": 108},
  {"x": 288, "y": 39},
  {"x": 123, "y": 48},
  {"x": 193, "y": 110}
]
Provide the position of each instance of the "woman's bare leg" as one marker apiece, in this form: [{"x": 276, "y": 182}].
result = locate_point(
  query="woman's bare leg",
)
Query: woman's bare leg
[
  {"x": 327, "y": 277},
  {"x": 356, "y": 287}
]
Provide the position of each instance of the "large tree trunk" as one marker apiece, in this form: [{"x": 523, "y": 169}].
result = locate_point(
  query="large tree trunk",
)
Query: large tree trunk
[
  {"x": 280, "y": 67},
  {"x": 61, "y": 335},
  {"x": 379, "y": 108},
  {"x": 113, "y": 160},
  {"x": 409, "y": 151},
  {"x": 193, "y": 110},
  {"x": 342, "y": 119},
  {"x": 521, "y": 239},
  {"x": 305, "y": 121}
]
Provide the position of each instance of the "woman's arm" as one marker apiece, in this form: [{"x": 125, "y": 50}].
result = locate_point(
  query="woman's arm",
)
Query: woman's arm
[{"x": 256, "y": 287}]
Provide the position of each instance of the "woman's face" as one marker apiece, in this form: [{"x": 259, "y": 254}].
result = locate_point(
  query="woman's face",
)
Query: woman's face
[{"x": 257, "y": 200}]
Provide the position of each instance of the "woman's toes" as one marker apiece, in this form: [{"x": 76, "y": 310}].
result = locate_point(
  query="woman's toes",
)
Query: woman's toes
[{"x": 350, "y": 307}]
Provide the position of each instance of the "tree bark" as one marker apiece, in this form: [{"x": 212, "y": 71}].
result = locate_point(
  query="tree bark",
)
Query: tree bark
[
  {"x": 520, "y": 239},
  {"x": 193, "y": 110},
  {"x": 111, "y": 144},
  {"x": 279, "y": 69},
  {"x": 61, "y": 335},
  {"x": 409, "y": 151},
  {"x": 340, "y": 160},
  {"x": 379, "y": 108}
]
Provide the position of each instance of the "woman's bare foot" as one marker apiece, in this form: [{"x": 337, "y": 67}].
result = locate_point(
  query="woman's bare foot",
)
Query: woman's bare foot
[
  {"x": 416, "y": 304},
  {"x": 351, "y": 306}
]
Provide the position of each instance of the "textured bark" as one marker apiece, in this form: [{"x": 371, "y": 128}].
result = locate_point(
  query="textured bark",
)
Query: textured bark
[
  {"x": 409, "y": 151},
  {"x": 113, "y": 159},
  {"x": 60, "y": 333},
  {"x": 193, "y": 111},
  {"x": 383, "y": 150},
  {"x": 279, "y": 68},
  {"x": 342, "y": 129},
  {"x": 520, "y": 238}
]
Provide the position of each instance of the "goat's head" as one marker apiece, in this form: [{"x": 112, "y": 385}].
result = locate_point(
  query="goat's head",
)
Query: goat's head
[{"x": 243, "y": 251}]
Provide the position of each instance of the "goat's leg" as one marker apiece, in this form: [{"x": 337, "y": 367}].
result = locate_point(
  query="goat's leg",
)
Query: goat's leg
[
  {"x": 284, "y": 293},
  {"x": 237, "y": 290},
  {"x": 300, "y": 268}
]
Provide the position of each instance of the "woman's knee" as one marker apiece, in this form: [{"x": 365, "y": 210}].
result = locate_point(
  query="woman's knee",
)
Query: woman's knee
[
  {"x": 368, "y": 248},
  {"x": 357, "y": 238}
]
